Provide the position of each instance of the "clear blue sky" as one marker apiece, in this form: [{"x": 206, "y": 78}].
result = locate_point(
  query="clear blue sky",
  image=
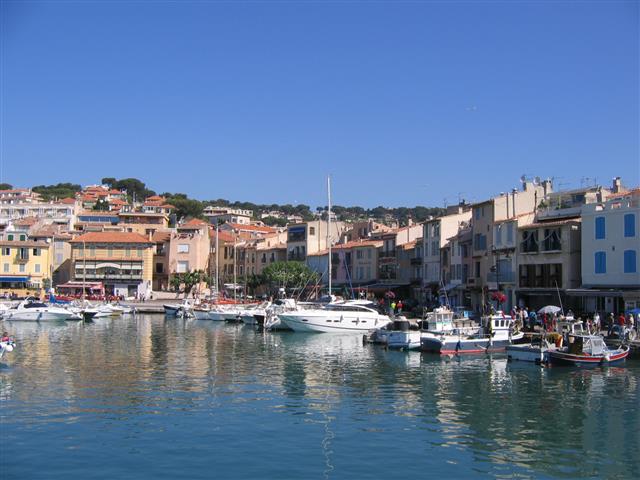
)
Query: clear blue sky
[{"x": 403, "y": 103}]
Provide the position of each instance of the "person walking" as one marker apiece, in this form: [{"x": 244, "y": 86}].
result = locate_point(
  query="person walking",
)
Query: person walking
[
  {"x": 399, "y": 307},
  {"x": 393, "y": 307},
  {"x": 596, "y": 322},
  {"x": 610, "y": 322}
]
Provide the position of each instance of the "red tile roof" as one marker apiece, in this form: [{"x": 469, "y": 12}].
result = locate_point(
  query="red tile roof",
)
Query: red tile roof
[
  {"x": 222, "y": 236},
  {"x": 356, "y": 244},
  {"x": 111, "y": 237},
  {"x": 251, "y": 228},
  {"x": 68, "y": 201},
  {"x": 194, "y": 222},
  {"x": 160, "y": 237}
]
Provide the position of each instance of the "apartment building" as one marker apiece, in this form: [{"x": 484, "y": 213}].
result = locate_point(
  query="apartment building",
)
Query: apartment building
[
  {"x": 25, "y": 266},
  {"x": 189, "y": 248},
  {"x": 610, "y": 244},
  {"x": 310, "y": 237},
  {"x": 122, "y": 261}
]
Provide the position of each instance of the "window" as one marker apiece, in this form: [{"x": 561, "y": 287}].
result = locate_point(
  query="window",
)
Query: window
[
  {"x": 552, "y": 239},
  {"x": 600, "y": 228},
  {"x": 109, "y": 251},
  {"x": 127, "y": 252},
  {"x": 498, "y": 235},
  {"x": 312, "y": 230},
  {"x": 36, "y": 252},
  {"x": 92, "y": 251},
  {"x": 159, "y": 268},
  {"x": 600, "y": 262},
  {"x": 477, "y": 269},
  {"x": 22, "y": 268},
  {"x": 359, "y": 254},
  {"x": 37, "y": 268},
  {"x": 80, "y": 252},
  {"x": 10, "y": 237},
  {"x": 630, "y": 261},
  {"x": 6, "y": 251},
  {"x": 139, "y": 252},
  {"x": 369, "y": 254},
  {"x": 630, "y": 225},
  {"x": 5, "y": 268},
  {"x": 183, "y": 248},
  {"x": 23, "y": 238},
  {"x": 529, "y": 242},
  {"x": 182, "y": 267}
]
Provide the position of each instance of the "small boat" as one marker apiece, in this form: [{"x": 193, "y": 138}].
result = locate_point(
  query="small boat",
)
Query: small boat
[
  {"x": 6, "y": 346},
  {"x": 201, "y": 312},
  {"x": 178, "y": 309},
  {"x": 495, "y": 333},
  {"x": 587, "y": 350},
  {"x": 536, "y": 352},
  {"x": 33, "y": 310},
  {"x": 400, "y": 334}
]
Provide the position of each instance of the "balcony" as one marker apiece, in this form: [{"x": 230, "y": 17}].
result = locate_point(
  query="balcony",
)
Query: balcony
[
  {"x": 387, "y": 254},
  {"x": 296, "y": 257},
  {"x": 22, "y": 259},
  {"x": 416, "y": 261}
]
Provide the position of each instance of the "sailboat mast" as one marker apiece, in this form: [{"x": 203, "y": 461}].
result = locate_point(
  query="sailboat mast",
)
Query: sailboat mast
[{"x": 329, "y": 229}]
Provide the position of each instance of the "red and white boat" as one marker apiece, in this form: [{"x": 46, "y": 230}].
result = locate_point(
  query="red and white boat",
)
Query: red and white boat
[{"x": 587, "y": 350}]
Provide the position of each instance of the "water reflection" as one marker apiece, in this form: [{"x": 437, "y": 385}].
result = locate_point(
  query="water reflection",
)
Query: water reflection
[{"x": 330, "y": 396}]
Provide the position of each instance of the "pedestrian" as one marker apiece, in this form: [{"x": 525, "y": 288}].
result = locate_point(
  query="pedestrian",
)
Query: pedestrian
[
  {"x": 631, "y": 321},
  {"x": 596, "y": 322},
  {"x": 621, "y": 320},
  {"x": 399, "y": 307},
  {"x": 609, "y": 324},
  {"x": 393, "y": 307}
]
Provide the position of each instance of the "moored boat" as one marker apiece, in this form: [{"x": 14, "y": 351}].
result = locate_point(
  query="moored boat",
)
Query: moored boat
[
  {"x": 495, "y": 333},
  {"x": 33, "y": 310},
  {"x": 587, "y": 350},
  {"x": 351, "y": 316}
]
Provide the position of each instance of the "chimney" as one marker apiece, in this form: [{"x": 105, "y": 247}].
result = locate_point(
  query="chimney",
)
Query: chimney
[{"x": 617, "y": 185}]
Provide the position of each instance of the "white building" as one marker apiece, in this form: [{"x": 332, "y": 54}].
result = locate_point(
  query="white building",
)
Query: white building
[
  {"x": 231, "y": 215},
  {"x": 610, "y": 245}
]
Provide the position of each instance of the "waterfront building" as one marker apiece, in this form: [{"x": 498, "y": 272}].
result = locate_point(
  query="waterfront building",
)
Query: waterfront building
[
  {"x": 60, "y": 251},
  {"x": 157, "y": 204},
  {"x": 122, "y": 261},
  {"x": 271, "y": 249},
  {"x": 517, "y": 205},
  {"x": 388, "y": 255},
  {"x": 354, "y": 263},
  {"x": 215, "y": 214},
  {"x": 98, "y": 221},
  {"x": 224, "y": 257},
  {"x": 189, "y": 248},
  {"x": 25, "y": 265},
  {"x": 610, "y": 248},
  {"x": 363, "y": 230},
  {"x": 162, "y": 244},
  {"x": 456, "y": 265},
  {"x": 310, "y": 237},
  {"x": 435, "y": 237}
]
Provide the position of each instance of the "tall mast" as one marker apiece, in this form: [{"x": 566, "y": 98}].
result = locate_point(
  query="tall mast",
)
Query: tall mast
[
  {"x": 217, "y": 260},
  {"x": 329, "y": 229}
]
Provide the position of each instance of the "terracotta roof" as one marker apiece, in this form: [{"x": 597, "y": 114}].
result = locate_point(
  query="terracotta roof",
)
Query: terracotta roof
[
  {"x": 26, "y": 221},
  {"x": 222, "y": 236},
  {"x": 15, "y": 190},
  {"x": 251, "y": 228},
  {"x": 28, "y": 243},
  {"x": 117, "y": 201},
  {"x": 111, "y": 237},
  {"x": 160, "y": 237},
  {"x": 194, "y": 222},
  {"x": 96, "y": 213},
  {"x": 68, "y": 201},
  {"x": 356, "y": 244},
  {"x": 154, "y": 198}
]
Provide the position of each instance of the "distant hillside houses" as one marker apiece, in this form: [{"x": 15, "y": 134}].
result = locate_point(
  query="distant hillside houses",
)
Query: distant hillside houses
[{"x": 534, "y": 245}]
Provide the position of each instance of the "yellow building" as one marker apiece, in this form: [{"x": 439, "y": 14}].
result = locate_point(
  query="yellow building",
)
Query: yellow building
[
  {"x": 122, "y": 261},
  {"x": 25, "y": 266}
]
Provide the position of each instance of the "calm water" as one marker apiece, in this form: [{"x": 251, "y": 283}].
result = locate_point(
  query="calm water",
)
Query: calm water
[{"x": 163, "y": 398}]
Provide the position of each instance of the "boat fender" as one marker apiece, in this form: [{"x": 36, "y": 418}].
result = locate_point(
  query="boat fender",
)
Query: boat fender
[
  {"x": 8, "y": 347},
  {"x": 606, "y": 357}
]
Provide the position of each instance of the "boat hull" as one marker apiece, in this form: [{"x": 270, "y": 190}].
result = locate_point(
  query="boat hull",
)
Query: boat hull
[
  {"x": 322, "y": 324},
  {"x": 565, "y": 358},
  {"x": 528, "y": 353},
  {"x": 201, "y": 314},
  {"x": 38, "y": 316},
  {"x": 403, "y": 340},
  {"x": 462, "y": 346}
]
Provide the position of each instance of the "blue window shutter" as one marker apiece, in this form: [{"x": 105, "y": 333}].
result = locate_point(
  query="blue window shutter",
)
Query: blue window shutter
[
  {"x": 600, "y": 262},
  {"x": 600, "y": 228},
  {"x": 629, "y": 225},
  {"x": 630, "y": 261}
]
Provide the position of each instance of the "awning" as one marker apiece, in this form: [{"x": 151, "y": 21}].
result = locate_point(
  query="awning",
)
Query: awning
[
  {"x": 585, "y": 292},
  {"x": 14, "y": 279}
]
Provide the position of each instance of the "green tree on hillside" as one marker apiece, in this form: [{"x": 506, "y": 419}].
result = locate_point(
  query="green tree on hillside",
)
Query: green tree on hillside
[
  {"x": 289, "y": 275},
  {"x": 6, "y": 186}
]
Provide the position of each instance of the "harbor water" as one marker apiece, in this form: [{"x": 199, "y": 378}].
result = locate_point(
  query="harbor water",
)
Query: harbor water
[{"x": 150, "y": 397}]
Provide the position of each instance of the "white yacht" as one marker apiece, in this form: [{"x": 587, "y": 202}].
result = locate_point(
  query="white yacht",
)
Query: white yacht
[
  {"x": 33, "y": 310},
  {"x": 352, "y": 316}
]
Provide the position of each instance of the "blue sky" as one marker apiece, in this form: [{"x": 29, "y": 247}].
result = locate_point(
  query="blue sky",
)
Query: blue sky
[{"x": 403, "y": 103}]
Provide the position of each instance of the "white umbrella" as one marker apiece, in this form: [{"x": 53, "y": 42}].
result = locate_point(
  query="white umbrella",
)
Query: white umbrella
[{"x": 549, "y": 309}]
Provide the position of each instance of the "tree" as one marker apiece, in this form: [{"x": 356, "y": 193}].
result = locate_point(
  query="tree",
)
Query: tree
[
  {"x": 289, "y": 275},
  {"x": 175, "y": 282},
  {"x": 134, "y": 187},
  {"x": 108, "y": 181},
  {"x": 60, "y": 190},
  {"x": 101, "y": 205},
  {"x": 6, "y": 186}
]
